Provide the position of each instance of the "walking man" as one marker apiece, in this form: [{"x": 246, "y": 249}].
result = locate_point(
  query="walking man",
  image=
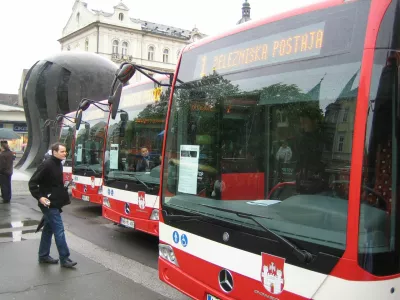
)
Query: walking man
[
  {"x": 46, "y": 185},
  {"x": 6, "y": 171}
]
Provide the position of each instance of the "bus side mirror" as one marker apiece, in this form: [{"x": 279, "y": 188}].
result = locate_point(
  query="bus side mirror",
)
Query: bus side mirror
[
  {"x": 78, "y": 118},
  {"x": 124, "y": 116},
  {"x": 125, "y": 73},
  {"x": 122, "y": 129},
  {"x": 114, "y": 101},
  {"x": 122, "y": 76},
  {"x": 84, "y": 105}
]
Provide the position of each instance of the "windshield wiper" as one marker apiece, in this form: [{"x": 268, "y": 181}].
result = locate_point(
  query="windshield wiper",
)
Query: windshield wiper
[
  {"x": 88, "y": 167},
  {"x": 111, "y": 180},
  {"x": 182, "y": 218},
  {"x": 141, "y": 181},
  {"x": 303, "y": 255}
]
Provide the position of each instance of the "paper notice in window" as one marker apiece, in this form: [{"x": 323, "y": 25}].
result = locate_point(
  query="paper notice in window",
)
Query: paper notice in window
[
  {"x": 79, "y": 153},
  {"x": 188, "y": 169},
  {"x": 114, "y": 149}
]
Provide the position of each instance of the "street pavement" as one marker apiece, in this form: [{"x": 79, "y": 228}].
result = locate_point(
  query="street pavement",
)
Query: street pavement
[{"x": 113, "y": 262}]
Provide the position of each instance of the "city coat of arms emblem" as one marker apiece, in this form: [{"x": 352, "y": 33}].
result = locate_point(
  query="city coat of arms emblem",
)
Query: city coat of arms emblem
[
  {"x": 272, "y": 273},
  {"x": 92, "y": 182},
  {"x": 142, "y": 200}
]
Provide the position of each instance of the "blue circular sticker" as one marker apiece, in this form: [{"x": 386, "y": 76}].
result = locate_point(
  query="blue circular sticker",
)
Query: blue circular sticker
[
  {"x": 175, "y": 236},
  {"x": 184, "y": 240}
]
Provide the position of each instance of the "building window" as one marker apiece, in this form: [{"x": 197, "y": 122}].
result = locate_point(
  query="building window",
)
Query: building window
[
  {"x": 340, "y": 143},
  {"x": 150, "y": 54},
  {"x": 124, "y": 48},
  {"x": 345, "y": 115},
  {"x": 115, "y": 47},
  {"x": 165, "y": 55},
  {"x": 86, "y": 45},
  {"x": 121, "y": 16}
]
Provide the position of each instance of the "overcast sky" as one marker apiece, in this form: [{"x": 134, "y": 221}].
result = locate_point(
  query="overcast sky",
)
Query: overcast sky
[{"x": 29, "y": 29}]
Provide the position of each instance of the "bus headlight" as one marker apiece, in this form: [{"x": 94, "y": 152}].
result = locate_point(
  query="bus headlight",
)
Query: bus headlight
[
  {"x": 155, "y": 215},
  {"x": 106, "y": 202},
  {"x": 166, "y": 252}
]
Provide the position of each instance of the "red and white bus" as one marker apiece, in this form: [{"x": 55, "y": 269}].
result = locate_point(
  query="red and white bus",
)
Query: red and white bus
[
  {"x": 67, "y": 137},
  {"x": 87, "y": 167},
  {"x": 133, "y": 157},
  {"x": 280, "y": 165}
]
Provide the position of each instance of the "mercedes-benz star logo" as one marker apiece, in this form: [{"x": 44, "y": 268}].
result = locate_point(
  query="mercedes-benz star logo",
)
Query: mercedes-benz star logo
[
  {"x": 85, "y": 188},
  {"x": 127, "y": 208},
  {"x": 225, "y": 280}
]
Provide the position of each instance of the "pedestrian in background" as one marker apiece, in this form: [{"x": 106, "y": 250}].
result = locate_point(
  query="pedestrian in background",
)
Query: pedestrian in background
[
  {"x": 6, "y": 171},
  {"x": 47, "y": 155},
  {"x": 46, "y": 185}
]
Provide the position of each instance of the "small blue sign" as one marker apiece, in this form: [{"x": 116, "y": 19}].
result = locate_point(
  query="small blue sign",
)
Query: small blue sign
[
  {"x": 20, "y": 127},
  {"x": 108, "y": 192},
  {"x": 184, "y": 240},
  {"x": 175, "y": 236}
]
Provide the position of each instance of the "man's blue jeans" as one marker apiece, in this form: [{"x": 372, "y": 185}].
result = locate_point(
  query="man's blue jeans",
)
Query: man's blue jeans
[{"x": 53, "y": 224}]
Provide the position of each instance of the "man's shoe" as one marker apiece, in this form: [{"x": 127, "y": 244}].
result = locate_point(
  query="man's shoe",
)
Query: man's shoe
[
  {"x": 48, "y": 260},
  {"x": 68, "y": 263}
]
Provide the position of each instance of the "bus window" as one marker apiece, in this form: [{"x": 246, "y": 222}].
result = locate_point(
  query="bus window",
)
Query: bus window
[
  {"x": 379, "y": 241},
  {"x": 134, "y": 141},
  {"x": 269, "y": 136}
]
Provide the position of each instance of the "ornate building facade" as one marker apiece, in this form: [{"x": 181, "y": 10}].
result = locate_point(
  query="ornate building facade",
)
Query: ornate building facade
[{"x": 119, "y": 37}]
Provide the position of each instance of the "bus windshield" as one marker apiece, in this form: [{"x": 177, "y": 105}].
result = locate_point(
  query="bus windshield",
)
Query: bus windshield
[
  {"x": 251, "y": 132},
  {"x": 89, "y": 143},
  {"x": 134, "y": 139}
]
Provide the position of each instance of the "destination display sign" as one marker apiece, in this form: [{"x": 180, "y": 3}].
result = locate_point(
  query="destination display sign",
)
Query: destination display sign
[{"x": 290, "y": 45}]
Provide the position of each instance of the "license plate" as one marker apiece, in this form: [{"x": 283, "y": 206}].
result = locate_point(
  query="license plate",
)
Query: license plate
[
  {"x": 211, "y": 297},
  {"x": 85, "y": 198},
  {"x": 127, "y": 223}
]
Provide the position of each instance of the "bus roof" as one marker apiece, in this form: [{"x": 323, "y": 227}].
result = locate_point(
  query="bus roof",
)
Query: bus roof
[{"x": 255, "y": 23}]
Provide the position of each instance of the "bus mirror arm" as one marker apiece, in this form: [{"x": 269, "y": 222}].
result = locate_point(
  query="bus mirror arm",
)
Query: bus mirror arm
[{"x": 122, "y": 76}]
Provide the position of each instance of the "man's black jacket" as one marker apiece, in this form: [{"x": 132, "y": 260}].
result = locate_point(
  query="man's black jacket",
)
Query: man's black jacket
[{"x": 47, "y": 181}]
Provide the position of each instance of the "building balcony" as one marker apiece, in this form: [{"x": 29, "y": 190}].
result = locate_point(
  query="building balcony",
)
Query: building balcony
[{"x": 119, "y": 58}]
